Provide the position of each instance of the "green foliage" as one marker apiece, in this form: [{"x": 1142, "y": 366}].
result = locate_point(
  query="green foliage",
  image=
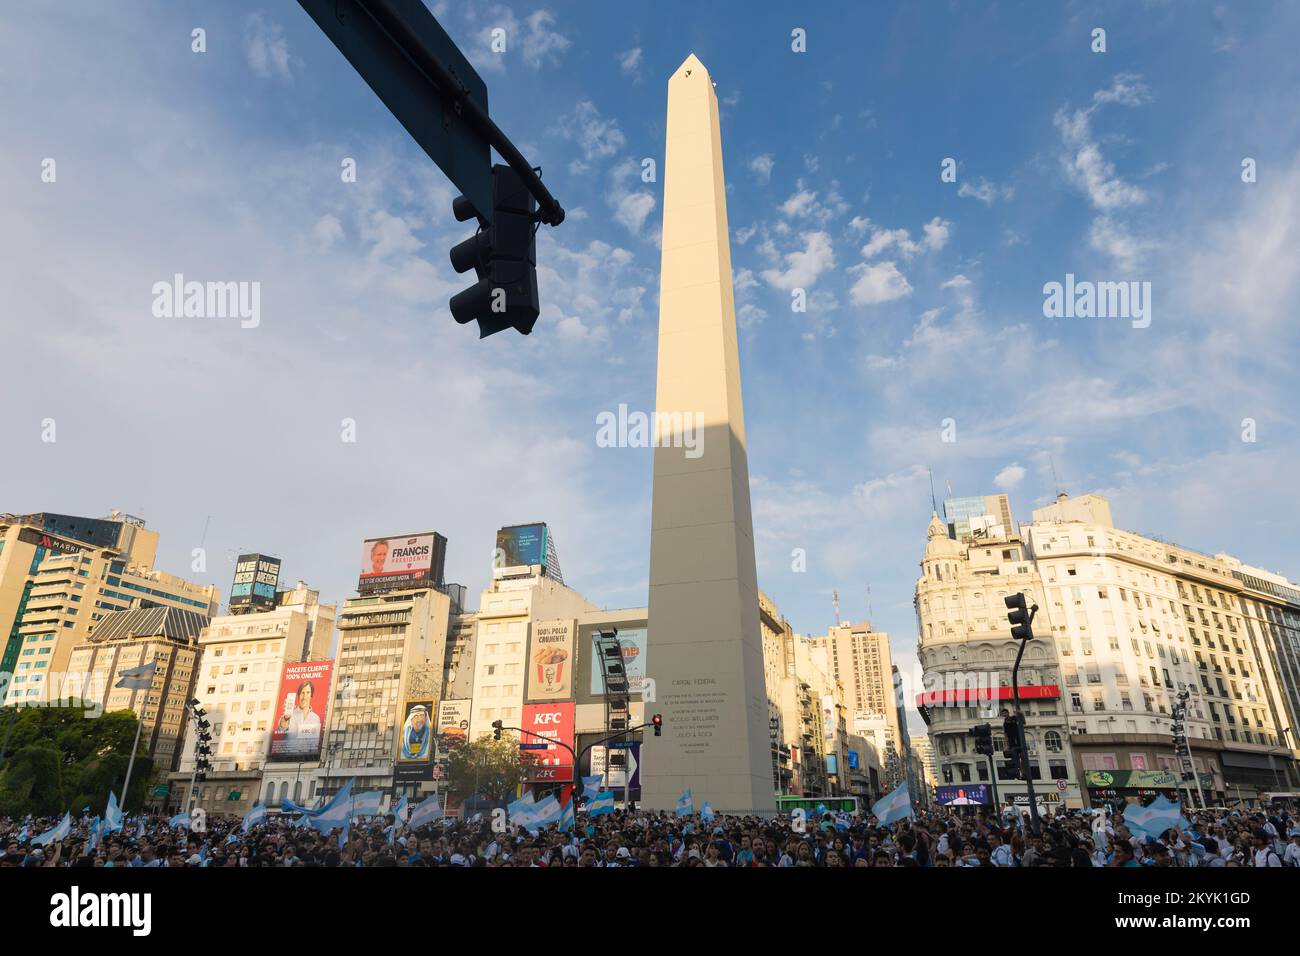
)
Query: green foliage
[
  {"x": 493, "y": 768},
  {"x": 58, "y": 759}
]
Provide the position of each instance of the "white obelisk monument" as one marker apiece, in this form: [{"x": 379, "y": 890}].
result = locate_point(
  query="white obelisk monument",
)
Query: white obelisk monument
[{"x": 704, "y": 646}]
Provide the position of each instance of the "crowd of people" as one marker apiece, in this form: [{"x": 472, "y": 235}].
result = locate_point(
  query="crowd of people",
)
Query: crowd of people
[{"x": 631, "y": 838}]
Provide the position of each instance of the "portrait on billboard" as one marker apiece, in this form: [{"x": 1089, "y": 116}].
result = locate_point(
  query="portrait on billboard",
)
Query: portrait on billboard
[
  {"x": 417, "y": 731},
  {"x": 304, "y": 694}
]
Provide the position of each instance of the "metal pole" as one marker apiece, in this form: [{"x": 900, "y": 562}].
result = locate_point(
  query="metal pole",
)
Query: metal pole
[
  {"x": 457, "y": 97},
  {"x": 1024, "y": 740},
  {"x": 993, "y": 777},
  {"x": 126, "y": 787}
]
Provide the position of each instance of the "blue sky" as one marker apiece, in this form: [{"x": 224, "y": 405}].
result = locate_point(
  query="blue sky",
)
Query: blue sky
[{"x": 925, "y": 298}]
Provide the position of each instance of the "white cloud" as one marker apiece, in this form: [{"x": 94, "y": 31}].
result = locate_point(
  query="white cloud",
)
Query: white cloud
[
  {"x": 629, "y": 61},
  {"x": 266, "y": 49},
  {"x": 1112, "y": 239},
  {"x": 803, "y": 266},
  {"x": 1009, "y": 478},
  {"x": 761, "y": 166},
  {"x": 327, "y": 231},
  {"x": 632, "y": 206},
  {"x": 597, "y": 137},
  {"x": 936, "y": 233},
  {"x": 878, "y": 282},
  {"x": 956, "y": 282},
  {"x": 985, "y": 191},
  {"x": 798, "y": 204}
]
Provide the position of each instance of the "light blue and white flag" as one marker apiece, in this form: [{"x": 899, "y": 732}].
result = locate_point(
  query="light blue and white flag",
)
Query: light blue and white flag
[
  {"x": 601, "y": 803},
  {"x": 401, "y": 811},
  {"x": 343, "y": 835},
  {"x": 93, "y": 840},
  {"x": 542, "y": 814},
  {"x": 367, "y": 804},
  {"x": 58, "y": 832},
  {"x": 138, "y": 678},
  {"x": 893, "y": 806},
  {"x": 685, "y": 804},
  {"x": 233, "y": 837},
  {"x": 1155, "y": 818},
  {"x": 302, "y": 821},
  {"x": 25, "y": 833},
  {"x": 203, "y": 854},
  {"x": 591, "y": 785},
  {"x": 181, "y": 819},
  {"x": 521, "y": 807},
  {"x": 566, "y": 818},
  {"x": 112, "y": 814},
  {"x": 336, "y": 813},
  {"x": 427, "y": 811},
  {"x": 706, "y": 812},
  {"x": 254, "y": 816}
]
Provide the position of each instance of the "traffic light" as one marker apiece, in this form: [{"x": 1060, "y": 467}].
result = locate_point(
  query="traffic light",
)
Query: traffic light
[
  {"x": 1019, "y": 617},
  {"x": 496, "y": 730},
  {"x": 983, "y": 734},
  {"x": 657, "y": 721},
  {"x": 503, "y": 255},
  {"x": 1011, "y": 727}
]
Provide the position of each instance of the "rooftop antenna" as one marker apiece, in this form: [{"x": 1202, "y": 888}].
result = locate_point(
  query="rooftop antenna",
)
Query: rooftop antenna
[
  {"x": 934, "y": 504},
  {"x": 870, "y": 612},
  {"x": 835, "y": 603},
  {"x": 1055, "y": 481}
]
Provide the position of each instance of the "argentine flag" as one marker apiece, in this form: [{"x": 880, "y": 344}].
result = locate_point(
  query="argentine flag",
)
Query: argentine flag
[
  {"x": 181, "y": 819},
  {"x": 336, "y": 813},
  {"x": 425, "y": 812},
  {"x": 138, "y": 678},
  {"x": 591, "y": 785},
  {"x": 518, "y": 810},
  {"x": 685, "y": 804},
  {"x": 368, "y": 804},
  {"x": 254, "y": 816},
  {"x": 401, "y": 811},
  {"x": 601, "y": 804},
  {"x": 93, "y": 840},
  {"x": 112, "y": 814},
  {"x": 566, "y": 818},
  {"x": 544, "y": 813},
  {"x": 1155, "y": 818},
  {"x": 706, "y": 812},
  {"x": 893, "y": 806},
  {"x": 58, "y": 832}
]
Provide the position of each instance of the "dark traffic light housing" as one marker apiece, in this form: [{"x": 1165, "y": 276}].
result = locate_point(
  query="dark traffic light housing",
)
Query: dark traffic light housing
[
  {"x": 657, "y": 721},
  {"x": 496, "y": 730},
  {"x": 1014, "y": 729},
  {"x": 1019, "y": 617},
  {"x": 983, "y": 734},
  {"x": 503, "y": 255}
]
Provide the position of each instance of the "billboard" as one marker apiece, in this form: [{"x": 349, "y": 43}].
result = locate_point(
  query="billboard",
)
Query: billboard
[
  {"x": 828, "y": 715},
  {"x": 965, "y": 795},
  {"x": 403, "y": 561},
  {"x": 415, "y": 741},
  {"x": 520, "y": 545},
  {"x": 453, "y": 722},
  {"x": 550, "y": 661},
  {"x": 256, "y": 577},
  {"x": 549, "y": 722},
  {"x": 304, "y": 696},
  {"x": 633, "y": 642}
]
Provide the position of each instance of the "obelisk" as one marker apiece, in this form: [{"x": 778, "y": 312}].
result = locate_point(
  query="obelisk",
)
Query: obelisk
[{"x": 704, "y": 649}]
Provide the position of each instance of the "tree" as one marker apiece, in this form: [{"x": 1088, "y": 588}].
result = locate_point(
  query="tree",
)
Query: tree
[
  {"x": 59, "y": 758},
  {"x": 492, "y": 768}
]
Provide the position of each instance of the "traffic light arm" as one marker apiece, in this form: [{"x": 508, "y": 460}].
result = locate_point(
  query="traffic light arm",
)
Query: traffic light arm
[{"x": 458, "y": 99}]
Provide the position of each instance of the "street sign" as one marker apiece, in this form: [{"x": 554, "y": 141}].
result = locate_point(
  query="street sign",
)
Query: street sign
[
  {"x": 410, "y": 95},
  {"x": 161, "y": 790},
  {"x": 1063, "y": 785},
  {"x": 534, "y": 746}
]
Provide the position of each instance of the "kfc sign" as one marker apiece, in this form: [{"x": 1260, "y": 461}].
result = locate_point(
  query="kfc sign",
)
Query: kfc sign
[{"x": 543, "y": 722}]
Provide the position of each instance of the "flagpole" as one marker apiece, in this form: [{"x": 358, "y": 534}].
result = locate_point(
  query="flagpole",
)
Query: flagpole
[{"x": 139, "y": 726}]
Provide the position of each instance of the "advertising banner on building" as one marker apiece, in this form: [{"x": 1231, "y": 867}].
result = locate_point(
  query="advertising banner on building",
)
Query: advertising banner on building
[
  {"x": 964, "y": 795},
  {"x": 404, "y": 561},
  {"x": 550, "y": 661},
  {"x": 415, "y": 742},
  {"x": 256, "y": 577},
  {"x": 453, "y": 722},
  {"x": 300, "y": 721},
  {"x": 549, "y": 722},
  {"x": 521, "y": 545},
  {"x": 607, "y": 763},
  {"x": 1132, "y": 779},
  {"x": 828, "y": 716},
  {"x": 632, "y": 640}
]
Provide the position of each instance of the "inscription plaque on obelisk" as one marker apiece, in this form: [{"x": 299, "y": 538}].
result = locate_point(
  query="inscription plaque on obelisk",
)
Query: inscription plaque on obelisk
[{"x": 704, "y": 648}]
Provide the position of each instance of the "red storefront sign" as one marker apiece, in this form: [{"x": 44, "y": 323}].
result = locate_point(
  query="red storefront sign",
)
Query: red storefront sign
[
  {"x": 550, "y": 722},
  {"x": 972, "y": 696}
]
